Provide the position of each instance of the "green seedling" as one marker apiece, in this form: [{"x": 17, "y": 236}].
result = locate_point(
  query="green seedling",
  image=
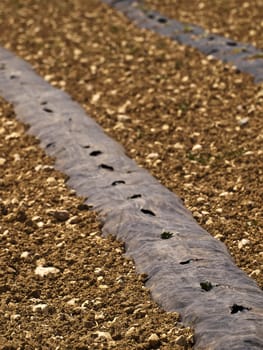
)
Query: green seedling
[
  {"x": 166, "y": 235},
  {"x": 255, "y": 57},
  {"x": 188, "y": 29},
  {"x": 238, "y": 50},
  {"x": 207, "y": 286}
]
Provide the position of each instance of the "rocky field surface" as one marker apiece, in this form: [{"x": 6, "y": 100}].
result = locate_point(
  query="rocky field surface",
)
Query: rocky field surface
[
  {"x": 62, "y": 285},
  {"x": 235, "y": 19},
  {"x": 195, "y": 123}
]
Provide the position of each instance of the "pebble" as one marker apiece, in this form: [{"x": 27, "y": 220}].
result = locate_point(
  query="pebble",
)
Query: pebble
[
  {"x": 95, "y": 98},
  {"x": 49, "y": 77},
  {"x": 130, "y": 332},
  {"x": 255, "y": 273},
  {"x": 243, "y": 242},
  {"x": 209, "y": 222},
  {"x": 39, "y": 307},
  {"x": 103, "y": 286},
  {"x": 152, "y": 155},
  {"x": 165, "y": 127},
  {"x": 16, "y": 157},
  {"x": 60, "y": 215},
  {"x": 2, "y": 161},
  {"x": 43, "y": 271},
  {"x": 225, "y": 194},
  {"x": 154, "y": 340},
  {"x": 181, "y": 340},
  {"x": 13, "y": 135},
  {"x": 51, "y": 180},
  {"x": 24, "y": 255},
  {"x": 243, "y": 121},
  {"x": 15, "y": 317},
  {"x": 219, "y": 236},
  {"x": 197, "y": 148},
  {"x": 74, "y": 220},
  {"x": 123, "y": 117},
  {"x": 72, "y": 301},
  {"x": 43, "y": 167},
  {"x": 105, "y": 335},
  {"x": 99, "y": 316},
  {"x": 178, "y": 145},
  {"x": 85, "y": 304}
]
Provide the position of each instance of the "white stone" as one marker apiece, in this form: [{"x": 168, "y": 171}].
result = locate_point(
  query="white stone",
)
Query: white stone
[
  {"x": 43, "y": 271},
  {"x": 197, "y": 148},
  {"x": 24, "y": 255},
  {"x": 243, "y": 242},
  {"x": 39, "y": 307}
]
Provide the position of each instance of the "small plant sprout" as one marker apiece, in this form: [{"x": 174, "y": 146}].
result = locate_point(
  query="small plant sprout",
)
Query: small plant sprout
[
  {"x": 207, "y": 286},
  {"x": 166, "y": 235}
]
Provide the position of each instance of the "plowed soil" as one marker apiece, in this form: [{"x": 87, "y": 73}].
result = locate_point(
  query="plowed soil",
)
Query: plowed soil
[
  {"x": 194, "y": 123},
  {"x": 235, "y": 19},
  {"x": 62, "y": 285}
]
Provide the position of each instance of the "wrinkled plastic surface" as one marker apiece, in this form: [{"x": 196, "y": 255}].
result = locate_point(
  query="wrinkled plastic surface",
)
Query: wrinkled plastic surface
[{"x": 189, "y": 271}]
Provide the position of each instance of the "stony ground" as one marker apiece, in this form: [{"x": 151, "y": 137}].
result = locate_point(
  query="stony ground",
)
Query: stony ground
[
  {"x": 62, "y": 285},
  {"x": 194, "y": 123},
  {"x": 236, "y": 19}
]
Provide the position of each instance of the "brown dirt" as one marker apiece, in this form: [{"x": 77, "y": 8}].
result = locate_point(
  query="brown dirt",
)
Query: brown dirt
[
  {"x": 92, "y": 299},
  {"x": 237, "y": 19},
  {"x": 194, "y": 123}
]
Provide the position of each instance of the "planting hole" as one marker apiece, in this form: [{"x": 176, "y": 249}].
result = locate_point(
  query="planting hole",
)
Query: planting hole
[
  {"x": 118, "y": 182},
  {"x": 86, "y": 146},
  {"x": 106, "y": 167},
  {"x": 50, "y": 144},
  {"x": 147, "y": 212},
  {"x": 151, "y": 16},
  {"x": 186, "y": 262},
  {"x": 166, "y": 235},
  {"x": 162, "y": 20},
  {"x": 212, "y": 51},
  {"x": 13, "y": 76},
  {"x": 207, "y": 286},
  {"x": 135, "y": 196},
  {"x": 235, "y": 308},
  {"x": 231, "y": 43},
  {"x": 95, "y": 153},
  {"x": 43, "y": 103},
  {"x": 48, "y": 110},
  {"x": 211, "y": 38}
]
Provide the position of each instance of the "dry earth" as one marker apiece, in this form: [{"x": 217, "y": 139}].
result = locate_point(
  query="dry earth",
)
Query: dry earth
[
  {"x": 237, "y": 19},
  {"x": 194, "y": 123},
  {"x": 62, "y": 285}
]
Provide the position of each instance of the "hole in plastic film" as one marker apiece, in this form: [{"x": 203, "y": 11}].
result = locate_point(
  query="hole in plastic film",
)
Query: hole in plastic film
[
  {"x": 48, "y": 110},
  {"x": 162, "y": 20},
  {"x": 207, "y": 286},
  {"x": 134, "y": 196},
  {"x": 118, "y": 182},
  {"x": 147, "y": 212},
  {"x": 106, "y": 167},
  {"x": 95, "y": 153},
  {"x": 235, "y": 308}
]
